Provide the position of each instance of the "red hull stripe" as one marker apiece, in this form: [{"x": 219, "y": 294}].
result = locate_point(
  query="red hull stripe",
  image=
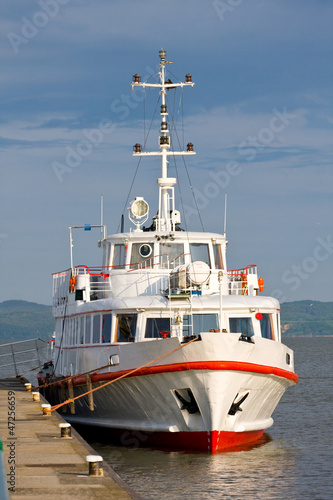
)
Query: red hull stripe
[
  {"x": 212, "y": 441},
  {"x": 194, "y": 365}
]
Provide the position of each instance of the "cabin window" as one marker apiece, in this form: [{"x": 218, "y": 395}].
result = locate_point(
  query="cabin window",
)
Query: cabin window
[
  {"x": 200, "y": 251},
  {"x": 126, "y": 326},
  {"x": 241, "y": 325},
  {"x": 171, "y": 255},
  {"x": 87, "y": 336},
  {"x": 266, "y": 325},
  {"x": 81, "y": 329},
  {"x": 96, "y": 329},
  {"x": 142, "y": 255},
  {"x": 218, "y": 256},
  {"x": 106, "y": 328},
  {"x": 157, "y": 328},
  {"x": 119, "y": 256},
  {"x": 75, "y": 330},
  {"x": 197, "y": 323}
]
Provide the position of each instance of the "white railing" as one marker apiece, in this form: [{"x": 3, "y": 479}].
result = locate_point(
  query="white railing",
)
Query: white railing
[
  {"x": 240, "y": 280},
  {"x": 20, "y": 356},
  {"x": 148, "y": 277}
]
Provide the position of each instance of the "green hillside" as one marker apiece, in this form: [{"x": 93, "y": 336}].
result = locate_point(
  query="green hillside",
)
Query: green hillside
[
  {"x": 307, "y": 318},
  {"x": 21, "y": 320}
]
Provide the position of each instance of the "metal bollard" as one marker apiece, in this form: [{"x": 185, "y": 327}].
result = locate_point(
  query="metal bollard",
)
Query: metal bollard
[
  {"x": 46, "y": 409},
  {"x": 27, "y": 386},
  {"x": 35, "y": 396},
  {"x": 65, "y": 430},
  {"x": 95, "y": 465}
]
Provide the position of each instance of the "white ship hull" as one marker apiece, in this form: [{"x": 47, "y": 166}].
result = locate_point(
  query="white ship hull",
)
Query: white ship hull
[{"x": 218, "y": 370}]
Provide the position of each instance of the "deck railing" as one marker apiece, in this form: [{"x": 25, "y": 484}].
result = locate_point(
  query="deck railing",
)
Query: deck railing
[
  {"x": 96, "y": 282},
  {"x": 22, "y": 356}
]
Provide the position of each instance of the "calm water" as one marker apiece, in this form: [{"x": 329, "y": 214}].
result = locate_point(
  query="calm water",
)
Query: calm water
[{"x": 294, "y": 463}]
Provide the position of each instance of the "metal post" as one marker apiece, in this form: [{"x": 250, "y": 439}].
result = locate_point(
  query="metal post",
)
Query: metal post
[
  {"x": 16, "y": 372},
  {"x": 36, "y": 342}
]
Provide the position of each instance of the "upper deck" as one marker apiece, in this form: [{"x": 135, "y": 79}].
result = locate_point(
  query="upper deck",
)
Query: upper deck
[{"x": 174, "y": 265}]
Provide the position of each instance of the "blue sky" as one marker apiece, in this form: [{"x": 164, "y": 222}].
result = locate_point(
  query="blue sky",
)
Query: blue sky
[{"x": 260, "y": 118}]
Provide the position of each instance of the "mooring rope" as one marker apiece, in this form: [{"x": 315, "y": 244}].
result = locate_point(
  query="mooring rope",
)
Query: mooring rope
[{"x": 55, "y": 407}]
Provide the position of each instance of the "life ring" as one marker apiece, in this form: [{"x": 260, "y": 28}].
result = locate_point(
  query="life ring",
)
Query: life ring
[
  {"x": 72, "y": 283},
  {"x": 244, "y": 283}
]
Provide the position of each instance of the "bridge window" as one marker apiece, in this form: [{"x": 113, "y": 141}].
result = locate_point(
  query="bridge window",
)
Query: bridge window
[
  {"x": 200, "y": 251},
  {"x": 218, "y": 256},
  {"x": 126, "y": 327},
  {"x": 142, "y": 255},
  {"x": 157, "y": 328},
  {"x": 266, "y": 325},
  {"x": 119, "y": 256},
  {"x": 171, "y": 255},
  {"x": 241, "y": 325},
  {"x": 197, "y": 323}
]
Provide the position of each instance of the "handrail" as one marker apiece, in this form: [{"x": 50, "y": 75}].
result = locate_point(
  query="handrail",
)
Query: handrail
[{"x": 14, "y": 353}]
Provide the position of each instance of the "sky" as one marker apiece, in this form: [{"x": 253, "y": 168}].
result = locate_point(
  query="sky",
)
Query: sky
[{"x": 259, "y": 115}]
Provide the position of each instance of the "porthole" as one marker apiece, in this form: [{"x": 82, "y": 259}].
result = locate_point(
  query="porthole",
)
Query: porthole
[{"x": 145, "y": 250}]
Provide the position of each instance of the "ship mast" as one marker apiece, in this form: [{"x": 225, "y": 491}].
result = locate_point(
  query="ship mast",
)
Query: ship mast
[{"x": 167, "y": 217}]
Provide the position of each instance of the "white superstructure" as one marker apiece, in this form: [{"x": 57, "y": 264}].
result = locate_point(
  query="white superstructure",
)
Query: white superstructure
[{"x": 198, "y": 349}]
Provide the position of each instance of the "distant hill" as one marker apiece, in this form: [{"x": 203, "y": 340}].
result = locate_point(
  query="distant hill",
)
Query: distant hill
[
  {"x": 307, "y": 318},
  {"x": 21, "y": 320}
]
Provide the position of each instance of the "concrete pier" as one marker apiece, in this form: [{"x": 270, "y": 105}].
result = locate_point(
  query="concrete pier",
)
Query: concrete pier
[{"x": 39, "y": 463}]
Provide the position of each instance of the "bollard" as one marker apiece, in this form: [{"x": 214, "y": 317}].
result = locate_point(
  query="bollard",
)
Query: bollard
[
  {"x": 35, "y": 396},
  {"x": 95, "y": 465},
  {"x": 27, "y": 386},
  {"x": 65, "y": 430},
  {"x": 46, "y": 409}
]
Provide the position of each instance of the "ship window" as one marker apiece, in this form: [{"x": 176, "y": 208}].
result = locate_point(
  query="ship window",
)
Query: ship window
[
  {"x": 119, "y": 256},
  {"x": 88, "y": 330},
  {"x": 75, "y": 330},
  {"x": 157, "y": 328},
  {"x": 171, "y": 255},
  {"x": 218, "y": 256},
  {"x": 266, "y": 326},
  {"x": 197, "y": 323},
  {"x": 96, "y": 329},
  {"x": 81, "y": 329},
  {"x": 200, "y": 251},
  {"x": 142, "y": 255},
  {"x": 241, "y": 325},
  {"x": 126, "y": 326},
  {"x": 106, "y": 328}
]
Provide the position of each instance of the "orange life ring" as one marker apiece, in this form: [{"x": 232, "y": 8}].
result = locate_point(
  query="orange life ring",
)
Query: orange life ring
[{"x": 72, "y": 283}]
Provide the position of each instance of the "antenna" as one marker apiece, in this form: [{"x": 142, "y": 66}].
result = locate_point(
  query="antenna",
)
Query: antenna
[
  {"x": 225, "y": 214},
  {"x": 102, "y": 217}
]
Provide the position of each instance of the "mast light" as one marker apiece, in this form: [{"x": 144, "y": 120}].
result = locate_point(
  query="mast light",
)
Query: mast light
[
  {"x": 190, "y": 147},
  {"x": 137, "y": 148},
  {"x": 164, "y": 126},
  {"x": 188, "y": 78},
  {"x": 162, "y": 55},
  {"x": 136, "y": 78}
]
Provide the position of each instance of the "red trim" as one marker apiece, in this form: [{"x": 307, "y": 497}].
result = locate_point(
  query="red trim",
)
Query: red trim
[
  {"x": 211, "y": 441},
  {"x": 194, "y": 365}
]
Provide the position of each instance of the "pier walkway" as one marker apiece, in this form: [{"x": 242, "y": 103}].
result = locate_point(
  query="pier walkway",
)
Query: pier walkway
[{"x": 39, "y": 463}]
